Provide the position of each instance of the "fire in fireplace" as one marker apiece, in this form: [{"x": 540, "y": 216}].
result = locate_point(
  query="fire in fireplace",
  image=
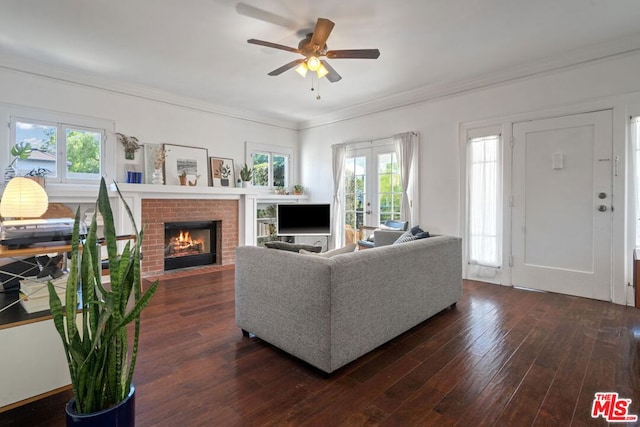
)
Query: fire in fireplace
[{"x": 189, "y": 244}]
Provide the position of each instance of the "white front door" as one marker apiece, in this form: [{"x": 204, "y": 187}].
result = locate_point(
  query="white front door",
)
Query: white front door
[{"x": 561, "y": 216}]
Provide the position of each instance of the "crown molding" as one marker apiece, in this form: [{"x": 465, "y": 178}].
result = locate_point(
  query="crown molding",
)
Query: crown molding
[
  {"x": 52, "y": 72},
  {"x": 579, "y": 57}
]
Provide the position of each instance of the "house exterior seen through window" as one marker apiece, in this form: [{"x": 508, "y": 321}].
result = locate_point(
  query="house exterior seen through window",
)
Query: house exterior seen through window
[{"x": 61, "y": 152}]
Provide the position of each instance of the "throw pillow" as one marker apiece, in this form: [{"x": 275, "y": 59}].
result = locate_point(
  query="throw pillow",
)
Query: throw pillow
[
  {"x": 292, "y": 247},
  {"x": 419, "y": 232},
  {"x": 423, "y": 235},
  {"x": 416, "y": 229},
  {"x": 332, "y": 252},
  {"x": 406, "y": 237}
]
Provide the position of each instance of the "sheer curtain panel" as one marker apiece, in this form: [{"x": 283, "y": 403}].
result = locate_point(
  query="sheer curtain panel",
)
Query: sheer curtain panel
[
  {"x": 482, "y": 198},
  {"x": 406, "y": 146},
  {"x": 339, "y": 154}
]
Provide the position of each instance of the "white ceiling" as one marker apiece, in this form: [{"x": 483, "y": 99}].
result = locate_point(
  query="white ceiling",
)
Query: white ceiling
[{"x": 197, "y": 49}]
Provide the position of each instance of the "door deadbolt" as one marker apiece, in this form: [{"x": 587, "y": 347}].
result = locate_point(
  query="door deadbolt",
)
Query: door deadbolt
[
  {"x": 602, "y": 208},
  {"x": 602, "y": 195}
]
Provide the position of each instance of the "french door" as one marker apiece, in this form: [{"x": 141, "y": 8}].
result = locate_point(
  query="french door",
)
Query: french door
[{"x": 373, "y": 191}]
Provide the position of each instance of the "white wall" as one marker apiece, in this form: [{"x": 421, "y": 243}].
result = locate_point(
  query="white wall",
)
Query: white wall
[
  {"x": 149, "y": 120},
  {"x": 603, "y": 84}
]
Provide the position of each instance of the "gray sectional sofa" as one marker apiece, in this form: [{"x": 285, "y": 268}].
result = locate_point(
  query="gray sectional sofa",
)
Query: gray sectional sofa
[{"x": 330, "y": 311}]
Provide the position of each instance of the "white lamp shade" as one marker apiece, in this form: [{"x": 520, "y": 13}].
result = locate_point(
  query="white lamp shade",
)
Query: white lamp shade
[
  {"x": 23, "y": 198},
  {"x": 322, "y": 71},
  {"x": 313, "y": 63},
  {"x": 302, "y": 69}
]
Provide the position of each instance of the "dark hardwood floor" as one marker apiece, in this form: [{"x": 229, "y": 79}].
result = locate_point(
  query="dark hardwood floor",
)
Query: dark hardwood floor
[{"x": 502, "y": 356}]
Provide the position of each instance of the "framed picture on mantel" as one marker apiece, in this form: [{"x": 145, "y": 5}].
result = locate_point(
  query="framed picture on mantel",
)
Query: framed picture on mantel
[
  {"x": 222, "y": 172},
  {"x": 186, "y": 166}
]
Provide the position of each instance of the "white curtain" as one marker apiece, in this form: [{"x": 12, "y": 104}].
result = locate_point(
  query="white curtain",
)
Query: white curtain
[
  {"x": 406, "y": 146},
  {"x": 339, "y": 154},
  {"x": 482, "y": 196}
]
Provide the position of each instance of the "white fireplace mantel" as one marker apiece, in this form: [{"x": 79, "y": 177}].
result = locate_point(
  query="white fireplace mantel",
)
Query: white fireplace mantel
[
  {"x": 248, "y": 199},
  {"x": 133, "y": 194}
]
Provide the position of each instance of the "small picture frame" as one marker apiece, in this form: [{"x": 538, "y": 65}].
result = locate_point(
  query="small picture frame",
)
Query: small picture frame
[{"x": 223, "y": 172}]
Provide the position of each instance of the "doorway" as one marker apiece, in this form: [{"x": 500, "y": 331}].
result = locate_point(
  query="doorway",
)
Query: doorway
[
  {"x": 373, "y": 191},
  {"x": 562, "y": 211}
]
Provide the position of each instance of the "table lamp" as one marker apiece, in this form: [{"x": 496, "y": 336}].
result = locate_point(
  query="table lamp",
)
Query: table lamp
[{"x": 23, "y": 198}]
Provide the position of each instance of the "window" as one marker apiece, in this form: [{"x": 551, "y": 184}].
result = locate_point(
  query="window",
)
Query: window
[
  {"x": 389, "y": 187},
  {"x": 65, "y": 152},
  {"x": 271, "y": 165},
  {"x": 355, "y": 180},
  {"x": 483, "y": 201}
]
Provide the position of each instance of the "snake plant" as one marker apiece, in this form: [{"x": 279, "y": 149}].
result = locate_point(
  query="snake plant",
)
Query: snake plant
[{"x": 100, "y": 354}]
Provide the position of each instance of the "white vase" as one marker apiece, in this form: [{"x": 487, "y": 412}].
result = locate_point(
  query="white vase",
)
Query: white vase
[{"x": 156, "y": 177}]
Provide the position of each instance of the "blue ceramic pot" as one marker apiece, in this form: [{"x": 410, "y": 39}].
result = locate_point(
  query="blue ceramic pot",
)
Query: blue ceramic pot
[{"x": 121, "y": 415}]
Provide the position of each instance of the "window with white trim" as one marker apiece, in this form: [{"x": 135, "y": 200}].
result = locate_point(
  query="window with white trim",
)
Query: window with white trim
[
  {"x": 483, "y": 201},
  {"x": 271, "y": 165},
  {"x": 64, "y": 152}
]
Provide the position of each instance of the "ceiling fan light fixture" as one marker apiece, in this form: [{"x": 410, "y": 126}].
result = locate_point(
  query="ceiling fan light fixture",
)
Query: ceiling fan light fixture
[
  {"x": 313, "y": 63},
  {"x": 302, "y": 69},
  {"x": 322, "y": 71}
]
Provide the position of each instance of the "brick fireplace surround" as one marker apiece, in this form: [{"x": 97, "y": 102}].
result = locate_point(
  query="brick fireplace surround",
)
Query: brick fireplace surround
[{"x": 155, "y": 212}]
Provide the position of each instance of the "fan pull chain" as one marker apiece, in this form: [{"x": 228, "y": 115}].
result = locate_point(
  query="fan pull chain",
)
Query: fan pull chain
[{"x": 318, "y": 95}]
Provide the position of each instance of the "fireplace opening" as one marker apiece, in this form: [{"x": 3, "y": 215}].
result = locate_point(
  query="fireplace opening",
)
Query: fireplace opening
[{"x": 190, "y": 244}]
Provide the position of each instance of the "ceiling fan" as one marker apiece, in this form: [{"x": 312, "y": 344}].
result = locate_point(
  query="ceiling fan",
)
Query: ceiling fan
[{"x": 313, "y": 47}]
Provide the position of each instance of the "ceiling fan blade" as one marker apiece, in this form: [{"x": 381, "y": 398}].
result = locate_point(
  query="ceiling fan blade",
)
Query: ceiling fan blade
[
  {"x": 354, "y": 53},
  {"x": 332, "y": 76},
  {"x": 286, "y": 67},
  {"x": 266, "y": 16},
  {"x": 273, "y": 45},
  {"x": 321, "y": 33}
]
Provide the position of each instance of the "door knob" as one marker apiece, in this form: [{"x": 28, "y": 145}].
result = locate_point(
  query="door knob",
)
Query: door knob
[
  {"x": 602, "y": 195},
  {"x": 369, "y": 212},
  {"x": 602, "y": 208}
]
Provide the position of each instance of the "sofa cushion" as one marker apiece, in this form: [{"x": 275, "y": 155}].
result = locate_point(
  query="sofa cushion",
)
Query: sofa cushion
[
  {"x": 332, "y": 252},
  {"x": 292, "y": 247}
]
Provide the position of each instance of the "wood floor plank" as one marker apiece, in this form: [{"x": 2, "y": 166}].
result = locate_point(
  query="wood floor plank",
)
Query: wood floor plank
[{"x": 502, "y": 356}]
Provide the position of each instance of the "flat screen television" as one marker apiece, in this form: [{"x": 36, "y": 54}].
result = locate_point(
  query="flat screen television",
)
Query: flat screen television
[{"x": 304, "y": 219}]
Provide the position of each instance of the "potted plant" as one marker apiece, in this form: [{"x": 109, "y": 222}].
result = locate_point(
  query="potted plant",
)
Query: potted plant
[
  {"x": 246, "y": 175},
  {"x": 100, "y": 353},
  {"x": 38, "y": 175},
  {"x": 183, "y": 178},
  {"x": 298, "y": 189},
  {"x": 20, "y": 150},
  {"x": 130, "y": 144}
]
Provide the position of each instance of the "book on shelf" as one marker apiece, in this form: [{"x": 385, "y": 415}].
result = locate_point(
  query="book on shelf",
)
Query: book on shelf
[{"x": 34, "y": 294}]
